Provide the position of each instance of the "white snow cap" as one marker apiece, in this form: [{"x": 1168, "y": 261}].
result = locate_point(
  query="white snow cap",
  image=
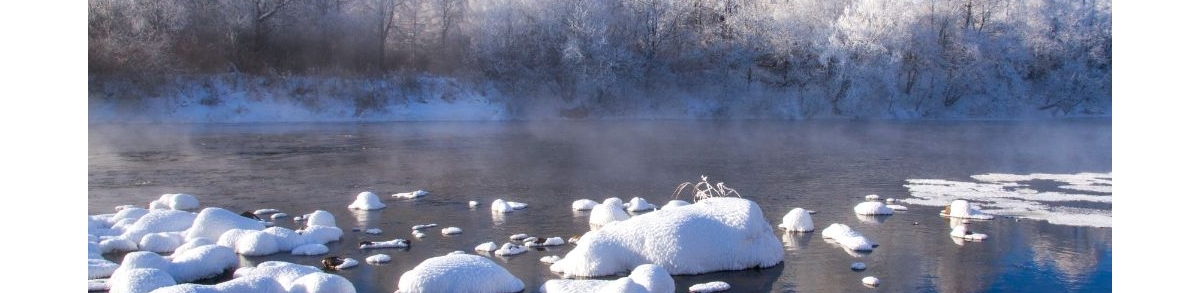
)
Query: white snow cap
[
  {"x": 638, "y": 204},
  {"x": 379, "y": 258},
  {"x": 194, "y": 264},
  {"x": 797, "y": 220},
  {"x": 1017, "y": 195},
  {"x": 451, "y": 230},
  {"x": 871, "y": 281},
  {"x": 366, "y": 201},
  {"x": 175, "y": 201},
  {"x": 321, "y": 218},
  {"x": 961, "y": 208},
  {"x": 873, "y": 208},
  {"x": 583, "y": 204},
  {"x": 374, "y": 231},
  {"x": 139, "y": 280},
  {"x": 510, "y": 249},
  {"x": 487, "y": 247},
  {"x": 714, "y": 286},
  {"x": 157, "y": 221},
  {"x": 310, "y": 249},
  {"x": 610, "y": 211},
  {"x": 847, "y": 237},
  {"x": 411, "y": 194},
  {"x": 714, "y": 234},
  {"x": 645, "y": 278},
  {"x": 501, "y": 206},
  {"x": 459, "y": 273},
  {"x": 272, "y": 277},
  {"x": 518, "y": 237},
  {"x": 212, "y": 222},
  {"x": 161, "y": 242},
  {"x": 961, "y": 231}
]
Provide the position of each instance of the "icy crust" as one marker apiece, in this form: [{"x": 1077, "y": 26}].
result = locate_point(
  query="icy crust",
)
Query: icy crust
[
  {"x": 797, "y": 220},
  {"x": 272, "y": 277},
  {"x": 847, "y": 237},
  {"x": 459, "y": 273},
  {"x": 873, "y": 208},
  {"x": 713, "y": 234},
  {"x": 175, "y": 201},
  {"x": 1009, "y": 194},
  {"x": 366, "y": 201},
  {"x": 583, "y": 204}
]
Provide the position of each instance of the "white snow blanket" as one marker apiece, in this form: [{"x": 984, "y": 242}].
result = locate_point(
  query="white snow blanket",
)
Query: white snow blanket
[
  {"x": 175, "y": 201},
  {"x": 873, "y": 208},
  {"x": 272, "y": 277},
  {"x": 366, "y": 201},
  {"x": 714, "y": 234},
  {"x": 645, "y": 278},
  {"x": 847, "y": 237},
  {"x": 797, "y": 220},
  {"x": 459, "y": 273}
]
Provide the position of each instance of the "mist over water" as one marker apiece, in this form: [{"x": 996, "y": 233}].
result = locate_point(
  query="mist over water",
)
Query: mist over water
[{"x": 826, "y": 166}]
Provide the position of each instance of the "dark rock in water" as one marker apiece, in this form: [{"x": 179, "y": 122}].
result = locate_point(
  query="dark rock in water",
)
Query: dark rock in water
[
  {"x": 355, "y": 229},
  {"x": 251, "y": 215},
  {"x": 331, "y": 263}
]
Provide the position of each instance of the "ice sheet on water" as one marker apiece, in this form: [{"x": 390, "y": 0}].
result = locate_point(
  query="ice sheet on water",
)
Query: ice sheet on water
[{"x": 1012, "y": 195}]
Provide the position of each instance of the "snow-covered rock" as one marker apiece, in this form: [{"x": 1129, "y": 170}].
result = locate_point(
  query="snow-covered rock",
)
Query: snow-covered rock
[
  {"x": 161, "y": 242},
  {"x": 583, "y": 204},
  {"x": 321, "y": 218},
  {"x": 674, "y": 203},
  {"x": 212, "y": 222},
  {"x": 249, "y": 242},
  {"x": 518, "y": 237},
  {"x": 194, "y": 264},
  {"x": 394, "y": 243},
  {"x": 158, "y": 221},
  {"x": 277, "y": 216},
  {"x": 797, "y": 220},
  {"x": 872, "y": 197},
  {"x": 961, "y": 231},
  {"x": 714, "y": 234},
  {"x": 870, "y": 281},
  {"x": 518, "y": 205},
  {"x": 501, "y": 206},
  {"x": 509, "y": 249},
  {"x": 638, "y": 204},
  {"x": 538, "y": 242},
  {"x": 117, "y": 244},
  {"x": 550, "y": 259},
  {"x": 411, "y": 194},
  {"x": 374, "y": 231},
  {"x": 366, "y": 201},
  {"x": 346, "y": 264},
  {"x": 272, "y": 277},
  {"x": 101, "y": 268},
  {"x": 310, "y": 249},
  {"x": 714, "y": 286},
  {"x": 608, "y": 211},
  {"x": 487, "y": 247},
  {"x": 418, "y": 234},
  {"x": 858, "y": 266},
  {"x": 139, "y": 280},
  {"x": 961, "y": 208},
  {"x": 472, "y": 204},
  {"x": 872, "y": 208},
  {"x": 847, "y": 237},
  {"x": 451, "y": 231},
  {"x": 459, "y": 273},
  {"x": 175, "y": 201},
  {"x": 379, "y": 258},
  {"x": 423, "y": 226}
]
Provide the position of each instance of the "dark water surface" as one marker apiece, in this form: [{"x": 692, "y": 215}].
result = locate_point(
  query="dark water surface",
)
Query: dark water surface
[{"x": 826, "y": 166}]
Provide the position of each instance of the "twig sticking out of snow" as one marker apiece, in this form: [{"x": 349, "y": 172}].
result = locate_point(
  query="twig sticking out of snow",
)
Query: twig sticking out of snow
[{"x": 702, "y": 189}]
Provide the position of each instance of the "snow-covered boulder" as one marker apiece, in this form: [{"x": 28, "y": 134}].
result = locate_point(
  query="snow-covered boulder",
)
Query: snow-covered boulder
[
  {"x": 175, "y": 201},
  {"x": 272, "y": 277},
  {"x": 509, "y": 249},
  {"x": 197, "y": 242},
  {"x": 871, "y": 281},
  {"x": 962, "y": 232},
  {"x": 539, "y": 242},
  {"x": 608, "y": 211},
  {"x": 472, "y": 204},
  {"x": 101, "y": 268},
  {"x": 645, "y": 278},
  {"x": 287, "y": 239},
  {"x": 583, "y": 204},
  {"x": 366, "y": 201},
  {"x": 896, "y": 207},
  {"x": 212, "y": 222},
  {"x": 847, "y": 237},
  {"x": 961, "y": 208},
  {"x": 487, "y": 247},
  {"x": 714, "y": 286},
  {"x": 858, "y": 266},
  {"x": 501, "y": 206},
  {"x": 872, "y": 197},
  {"x": 394, "y": 243},
  {"x": 161, "y": 242},
  {"x": 638, "y": 204},
  {"x": 797, "y": 220},
  {"x": 459, "y": 273},
  {"x": 379, "y": 258},
  {"x": 550, "y": 259},
  {"x": 139, "y": 280},
  {"x": 451, "y": 231},
  {"x": 873, "y": 208},
  {"x": 158, "y": 221},
  {"x": 714, "y": 234},
  {"x": 674, "y": 203},
  {"x": 411, "y": 194},
  {"x": 202, "y": 262},
  {"x": 321, "y": 218},
  {"x": 249, "y": 242},
  {"x": 310, "y": 249},
  {"x": 117, "y": 244}
]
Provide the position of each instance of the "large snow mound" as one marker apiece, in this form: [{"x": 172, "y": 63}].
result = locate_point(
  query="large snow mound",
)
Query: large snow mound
[
  {"x": 459, "y": 273},
  {"x": 366, "y": 201},
  {"x": 194, "y": 264},
  {"x": 873, "y": 208},
  {"x": 1015, "y": 195},
  {"x": 797, "y": 220},
  {"x": 175, "y": 201},
  {"x": 611, "y": 210},
  {"x": 213, "y": 221},
  {"x": 645, "y": 278},
  {"x": 271, "y": 277},
  {"x": 714, "y": 234}
]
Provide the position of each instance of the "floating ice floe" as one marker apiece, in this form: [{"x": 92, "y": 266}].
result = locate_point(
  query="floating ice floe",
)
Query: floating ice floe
[
  {"x": 451, "y": 231},
  {"x": 374, "y": 231},
  {"x": 366, "y": 201},
  {"x": 797, "y": 220},
  {"x": 379, "y": 258},
  {"x": 175, "y": 201},
  {"x": 411, "y": 194},
  {"x": 858, "y": 266},
  {"x": 550, "y": 259},
  {"x": 644, "y": 278},
  {"x": 675, "y": 203},
  {"x": 847, "y": 237},
  {"x": 423, "y": 226},
  {"x": 583, "y": 204},
  {"x": 1015, "y": 195},
  {"x": 611, "y": 210},
  {"x": 538, "y": 242},
  {"x": 487, "y": 247},
  {"x": 870, "y": 281},
  {"x": 509, "y": 249},
  {"x": 394, "y": 243},
  {"x": 459, "y": 273},
  {"x": 638, "y": 204},
  {"x": 714, "y": 234},
  {"x": 715, "y": 286},
  {"x": 872, "y": 208}
]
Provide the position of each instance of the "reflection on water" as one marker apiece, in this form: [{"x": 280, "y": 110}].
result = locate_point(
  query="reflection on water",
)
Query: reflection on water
[{"x": 299, "y": 168}]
